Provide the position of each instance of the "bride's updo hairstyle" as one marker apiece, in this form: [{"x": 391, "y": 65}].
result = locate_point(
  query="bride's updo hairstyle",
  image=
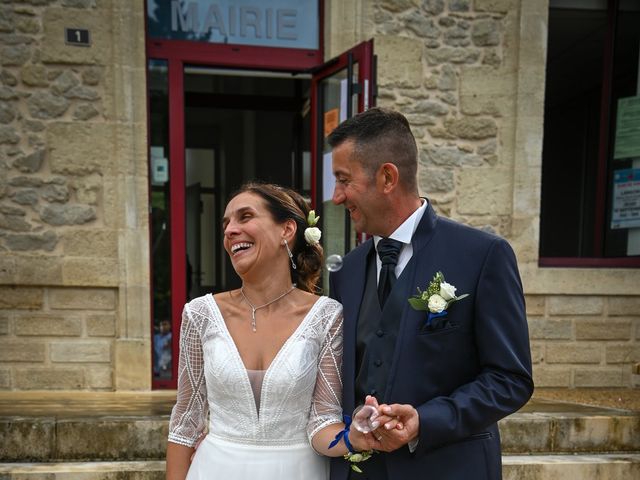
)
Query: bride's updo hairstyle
[{"x": 285, "y": 204}]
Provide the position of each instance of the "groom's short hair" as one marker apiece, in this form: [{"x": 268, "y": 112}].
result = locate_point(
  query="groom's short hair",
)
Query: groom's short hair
[{"x": 380, "y": 136}]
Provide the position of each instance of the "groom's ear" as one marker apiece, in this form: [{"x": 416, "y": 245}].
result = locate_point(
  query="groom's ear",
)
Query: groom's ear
[{"x": 389, "y": 177}]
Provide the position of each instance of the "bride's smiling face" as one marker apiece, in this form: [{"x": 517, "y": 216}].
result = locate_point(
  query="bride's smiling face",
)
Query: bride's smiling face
[{"x": 251, "y": 237}]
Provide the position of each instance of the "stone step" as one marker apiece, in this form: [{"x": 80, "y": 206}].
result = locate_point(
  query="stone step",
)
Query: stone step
[
  {"x": 571, "y": 467},
  {"x": 571, "y": 431},
  {"x": 81, "y": 427},
  {"x": 152, "y": 470},
  {"x": 42, "y": 439},
  {"x": 47, "y": 439},
  {"x": 515, "y": 467}
]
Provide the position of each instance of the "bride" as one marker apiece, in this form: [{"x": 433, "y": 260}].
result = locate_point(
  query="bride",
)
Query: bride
[{"x": 262, "y": 363}]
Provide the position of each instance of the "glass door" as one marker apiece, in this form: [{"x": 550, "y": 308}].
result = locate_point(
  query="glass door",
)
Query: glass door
[{"x": 341, "y": 88}]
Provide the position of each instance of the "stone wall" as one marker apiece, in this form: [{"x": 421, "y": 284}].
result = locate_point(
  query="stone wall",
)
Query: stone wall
[
  {"x": 73, "y": 197},
  {"x": 74, "y": 252},
  {"x": 584, "y": 341},
  {"x": 469, "y": 75},
  {"x": 57, "y": 338}
]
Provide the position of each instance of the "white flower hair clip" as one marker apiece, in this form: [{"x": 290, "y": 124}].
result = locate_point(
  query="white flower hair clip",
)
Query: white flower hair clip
[{"x": 312, "y": 234}]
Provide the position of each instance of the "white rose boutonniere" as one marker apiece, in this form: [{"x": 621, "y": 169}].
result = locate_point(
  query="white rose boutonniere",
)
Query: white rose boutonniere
[
  {"x": 436, "y": 298},
  {"x": 447, "y": 291},
  {"x": 436, "y": 303}
]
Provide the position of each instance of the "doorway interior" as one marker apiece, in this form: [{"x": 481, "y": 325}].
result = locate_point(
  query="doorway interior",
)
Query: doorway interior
[{"x": 240, "y": 126}]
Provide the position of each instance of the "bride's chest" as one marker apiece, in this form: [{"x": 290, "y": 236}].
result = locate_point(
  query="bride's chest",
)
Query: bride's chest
[{"x": 296, "y": 360}]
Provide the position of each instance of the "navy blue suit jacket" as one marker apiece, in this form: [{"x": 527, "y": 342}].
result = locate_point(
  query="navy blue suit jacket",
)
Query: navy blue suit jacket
[{"x": 463, "y": 373}]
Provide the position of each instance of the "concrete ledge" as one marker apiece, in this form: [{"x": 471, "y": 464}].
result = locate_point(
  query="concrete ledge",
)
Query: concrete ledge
[
  {"x": 154, "y": 470},
  {"x": 571, "y": 432},
  {"x": 133, "y": 426},
  {"x": 83, "y": 439},
  {"x": 515, "y": 467},
  {"x": 555, "y": 467}
]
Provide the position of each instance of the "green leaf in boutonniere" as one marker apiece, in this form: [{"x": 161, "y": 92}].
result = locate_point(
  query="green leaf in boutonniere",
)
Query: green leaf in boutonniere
[{"x": 417, "y": 303}]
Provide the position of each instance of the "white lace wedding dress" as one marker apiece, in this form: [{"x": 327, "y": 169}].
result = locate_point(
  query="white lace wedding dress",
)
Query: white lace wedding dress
[{"x": 300, "y": 395}]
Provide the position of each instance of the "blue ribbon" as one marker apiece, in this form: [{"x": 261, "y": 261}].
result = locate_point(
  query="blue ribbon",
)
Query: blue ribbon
[
  {"x": 432, "y": 316},
  {"x": 344, "y": 435}
]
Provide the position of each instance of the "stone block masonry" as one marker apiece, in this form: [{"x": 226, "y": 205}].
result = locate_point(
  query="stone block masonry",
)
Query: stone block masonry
[
  {"x": 584, "y": 341},
  {"x": 72, "y": 167},
  {"x": 67, "y": 343}
]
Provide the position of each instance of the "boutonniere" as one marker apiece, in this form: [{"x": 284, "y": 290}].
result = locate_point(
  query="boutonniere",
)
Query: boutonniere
[{"x": 436, "y": 298}]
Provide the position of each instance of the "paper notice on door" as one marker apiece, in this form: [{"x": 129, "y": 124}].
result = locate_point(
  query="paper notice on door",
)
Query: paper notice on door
[
  {"x": 331, "y": 119},
  {"x": 627, "y": 141}
]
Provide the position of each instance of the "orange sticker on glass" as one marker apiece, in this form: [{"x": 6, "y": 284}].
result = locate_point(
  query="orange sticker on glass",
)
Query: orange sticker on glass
[{"x": 331, "y": 120}]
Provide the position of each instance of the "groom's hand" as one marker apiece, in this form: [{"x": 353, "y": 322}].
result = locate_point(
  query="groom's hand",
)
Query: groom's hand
[{"x": 399, "y": 425}]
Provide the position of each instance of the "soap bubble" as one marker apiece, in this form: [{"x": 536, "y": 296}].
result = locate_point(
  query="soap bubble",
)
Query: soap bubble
[
  {"x": 363, "y": 417},
  {"x": 334, "y": 262}
]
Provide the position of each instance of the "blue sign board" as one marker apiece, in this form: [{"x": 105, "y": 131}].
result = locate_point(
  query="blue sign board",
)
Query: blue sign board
[{"x": 266, "y": 23}]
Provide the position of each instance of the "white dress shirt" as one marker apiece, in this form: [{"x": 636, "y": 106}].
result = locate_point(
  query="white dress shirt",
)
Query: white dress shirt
[{"x": 404, "y": 233}]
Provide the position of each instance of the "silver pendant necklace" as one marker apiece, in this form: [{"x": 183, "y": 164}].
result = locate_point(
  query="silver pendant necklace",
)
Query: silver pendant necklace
[{"x": 253, "y": 309}]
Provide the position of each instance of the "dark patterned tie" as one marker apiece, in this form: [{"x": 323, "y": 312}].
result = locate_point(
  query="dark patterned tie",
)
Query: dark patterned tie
[{"x": 388, "y": 251}]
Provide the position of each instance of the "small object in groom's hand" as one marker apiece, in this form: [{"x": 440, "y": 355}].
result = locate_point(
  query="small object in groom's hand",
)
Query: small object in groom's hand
[{"x": 363, "y": 418}]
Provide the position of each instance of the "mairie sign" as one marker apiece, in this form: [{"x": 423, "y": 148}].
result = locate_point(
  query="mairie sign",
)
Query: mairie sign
[{"x": 270, "y": 23}]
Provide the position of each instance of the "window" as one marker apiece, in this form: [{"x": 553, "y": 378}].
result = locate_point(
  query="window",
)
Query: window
[{"x": 590, "y": 206}]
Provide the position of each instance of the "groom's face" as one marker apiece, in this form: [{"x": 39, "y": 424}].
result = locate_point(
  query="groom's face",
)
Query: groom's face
[{"x": 357, "y": 191}]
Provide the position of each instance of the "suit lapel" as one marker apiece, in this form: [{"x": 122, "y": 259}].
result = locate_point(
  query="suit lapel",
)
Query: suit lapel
[{"x": 397, "y": 304}]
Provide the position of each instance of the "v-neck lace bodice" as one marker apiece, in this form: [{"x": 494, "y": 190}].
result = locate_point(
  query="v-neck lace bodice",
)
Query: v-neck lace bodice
[{"x": 301, "y": 389}]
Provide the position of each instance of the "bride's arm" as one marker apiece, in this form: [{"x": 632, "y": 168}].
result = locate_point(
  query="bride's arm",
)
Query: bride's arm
[
  {"x": 178, "y": 461},
  {"x": 188, "y": 417},
  {"x": 323, "y": 438},
  {"x": 325, "y": 419}
]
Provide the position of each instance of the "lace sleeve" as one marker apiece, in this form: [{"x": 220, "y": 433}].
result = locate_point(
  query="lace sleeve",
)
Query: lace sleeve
[
  {"x": 326, "y": 404},
  {"x": 189, "y": 415}
]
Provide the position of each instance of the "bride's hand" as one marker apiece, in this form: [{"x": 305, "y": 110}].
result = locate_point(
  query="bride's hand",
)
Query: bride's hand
[{"x": 361, "y": 441}]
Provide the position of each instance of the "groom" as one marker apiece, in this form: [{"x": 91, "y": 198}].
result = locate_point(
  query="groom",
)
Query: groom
[{"x": 446, "y": 374}]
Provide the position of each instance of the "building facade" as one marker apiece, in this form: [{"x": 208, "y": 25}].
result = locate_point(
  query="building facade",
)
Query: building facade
[{"x": 78, "y": 79}]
